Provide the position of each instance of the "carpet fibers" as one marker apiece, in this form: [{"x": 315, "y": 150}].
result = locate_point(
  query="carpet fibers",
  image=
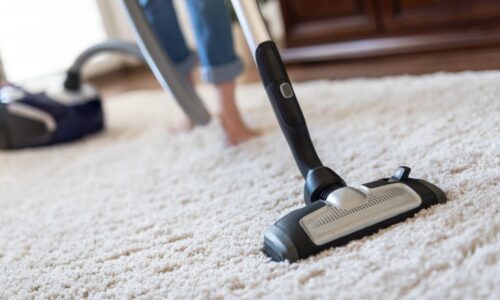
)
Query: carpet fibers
[{"x": 137, "y": 212}]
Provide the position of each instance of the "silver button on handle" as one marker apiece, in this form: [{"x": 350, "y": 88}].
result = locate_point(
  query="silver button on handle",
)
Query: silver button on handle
[{"x": 286, "y": 90}]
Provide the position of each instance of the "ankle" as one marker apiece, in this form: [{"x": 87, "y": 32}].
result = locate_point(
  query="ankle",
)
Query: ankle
[{"x": 231, "y": 121}]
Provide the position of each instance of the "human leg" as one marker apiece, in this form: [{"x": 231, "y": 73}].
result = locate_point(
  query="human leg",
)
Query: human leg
[
  {"x": 163, "y": 19},
  {"x": 219, "y": 63}
]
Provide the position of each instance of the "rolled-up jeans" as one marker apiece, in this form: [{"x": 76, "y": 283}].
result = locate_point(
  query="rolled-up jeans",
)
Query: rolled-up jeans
[{"x": 212, "y": 27}]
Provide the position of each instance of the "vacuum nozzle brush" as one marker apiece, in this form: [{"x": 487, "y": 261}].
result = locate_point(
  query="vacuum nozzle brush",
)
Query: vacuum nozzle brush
[{"x": 347, "y": 214}]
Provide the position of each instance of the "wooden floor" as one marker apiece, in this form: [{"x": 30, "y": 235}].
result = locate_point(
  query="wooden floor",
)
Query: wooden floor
[{"x": 451, "y": 61}]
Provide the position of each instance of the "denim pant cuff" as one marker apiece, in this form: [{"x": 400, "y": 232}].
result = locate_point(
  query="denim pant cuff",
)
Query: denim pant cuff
[
  {"x": 187, "y": 65},
  {"x": 223, "y": 72}
]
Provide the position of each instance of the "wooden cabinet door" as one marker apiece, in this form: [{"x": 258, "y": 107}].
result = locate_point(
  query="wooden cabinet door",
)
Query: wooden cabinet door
[
  {"x": 325, "y": 21},
  {"x": 401, "y": 16}
]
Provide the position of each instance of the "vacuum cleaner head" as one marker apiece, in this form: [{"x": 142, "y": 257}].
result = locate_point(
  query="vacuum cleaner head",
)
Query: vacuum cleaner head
[
  {"x": 349, "y": 213},
  {"x": 47, "y": 116}
]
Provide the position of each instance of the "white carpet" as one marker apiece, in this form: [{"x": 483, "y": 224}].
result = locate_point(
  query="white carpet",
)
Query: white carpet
[{"x": 138, "y": 212}]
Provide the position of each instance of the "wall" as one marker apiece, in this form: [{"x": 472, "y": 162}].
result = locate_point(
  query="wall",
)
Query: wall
[{"x": 2, "y": 73}]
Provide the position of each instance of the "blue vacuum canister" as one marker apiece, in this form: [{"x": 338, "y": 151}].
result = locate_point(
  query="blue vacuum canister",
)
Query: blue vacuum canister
[{"x": 42, "y": 116}]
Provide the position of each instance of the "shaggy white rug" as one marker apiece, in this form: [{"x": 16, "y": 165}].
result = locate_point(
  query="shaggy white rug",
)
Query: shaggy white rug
[{"x": 139, "y": 212}]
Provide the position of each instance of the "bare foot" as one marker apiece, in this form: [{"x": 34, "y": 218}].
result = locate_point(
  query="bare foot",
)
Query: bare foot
[
  {"x": 236, "y": 131},
  {"x": 232, "y": 123},
  {"x": 184, "y": 126}
]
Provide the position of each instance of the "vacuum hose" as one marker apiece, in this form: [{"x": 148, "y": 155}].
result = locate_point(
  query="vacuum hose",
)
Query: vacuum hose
[{"x": 72, "y": 81}]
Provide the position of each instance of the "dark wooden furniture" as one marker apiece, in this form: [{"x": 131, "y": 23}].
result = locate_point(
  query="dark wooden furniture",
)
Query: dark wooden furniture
[{"x": 338, "y": 29}]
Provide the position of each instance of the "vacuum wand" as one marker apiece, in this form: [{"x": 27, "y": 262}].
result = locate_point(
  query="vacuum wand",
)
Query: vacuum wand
[
  {"x": 283, "y": 100},
  {"x": 286, "y": 107}
]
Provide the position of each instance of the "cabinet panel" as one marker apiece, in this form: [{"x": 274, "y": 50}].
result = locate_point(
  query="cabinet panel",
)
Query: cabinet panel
[
  {"x": 345, "y": 29},
  {"x": 425, "y": 15},
  {"x": 326, "y": 21}
]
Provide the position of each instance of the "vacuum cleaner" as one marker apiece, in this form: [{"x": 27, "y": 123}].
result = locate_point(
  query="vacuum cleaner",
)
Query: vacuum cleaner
[
  {"x": 51, "y": 111},
  {"x": 335, "y": 213},
  {"x": 67, "y": 111},
  {"x": 32, "y": 118}
]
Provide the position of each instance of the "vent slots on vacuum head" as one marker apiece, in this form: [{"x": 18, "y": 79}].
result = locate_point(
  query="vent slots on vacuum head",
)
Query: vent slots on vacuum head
[{"x": 330, "y": 223}]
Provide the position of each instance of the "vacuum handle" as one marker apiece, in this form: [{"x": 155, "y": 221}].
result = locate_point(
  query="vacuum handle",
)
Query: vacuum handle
[
  {"x": 277, "y": 84},
  {"x": 286, "y": 107}
]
